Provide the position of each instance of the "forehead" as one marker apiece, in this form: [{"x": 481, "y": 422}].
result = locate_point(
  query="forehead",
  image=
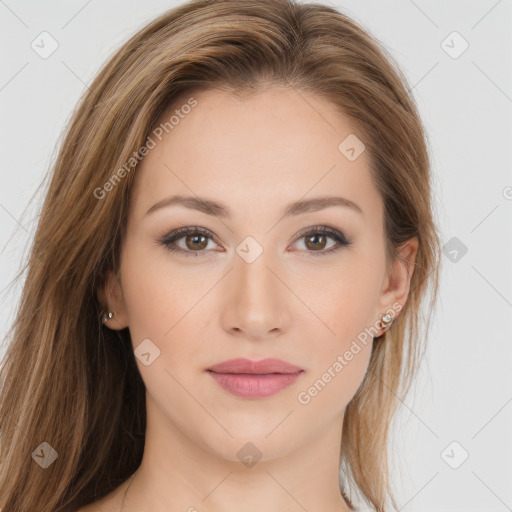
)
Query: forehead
[{"x": 253, "y": 150}]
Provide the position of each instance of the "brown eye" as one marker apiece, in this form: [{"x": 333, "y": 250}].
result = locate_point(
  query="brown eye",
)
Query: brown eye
[
  {"x": 316, "y": 239},
  {"x": 196, "y": 242},
  {"x": 315, "y": 242}
]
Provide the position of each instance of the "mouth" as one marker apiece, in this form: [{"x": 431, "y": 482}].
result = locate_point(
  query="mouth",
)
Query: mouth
[{"x": 254, "y": 379}]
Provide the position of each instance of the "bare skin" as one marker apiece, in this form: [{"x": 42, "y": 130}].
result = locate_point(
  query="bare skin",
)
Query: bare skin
[{"x": 256, "y": 155}]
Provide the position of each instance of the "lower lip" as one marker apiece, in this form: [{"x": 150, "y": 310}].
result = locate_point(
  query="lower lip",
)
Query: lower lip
[{"x": 254, "y": 386}]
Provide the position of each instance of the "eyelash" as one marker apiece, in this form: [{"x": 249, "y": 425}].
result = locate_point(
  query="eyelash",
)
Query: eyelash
[{"x": 180, "y": 233}]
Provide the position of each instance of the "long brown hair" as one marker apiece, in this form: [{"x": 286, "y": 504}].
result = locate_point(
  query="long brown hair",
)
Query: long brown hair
[{"x": 70, "y": 382}]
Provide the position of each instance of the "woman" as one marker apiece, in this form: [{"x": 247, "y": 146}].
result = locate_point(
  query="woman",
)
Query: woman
[{"x": 222, "y": 305}]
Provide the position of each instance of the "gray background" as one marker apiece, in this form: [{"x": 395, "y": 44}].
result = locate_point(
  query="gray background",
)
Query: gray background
[{"x": 464, "y": 391}]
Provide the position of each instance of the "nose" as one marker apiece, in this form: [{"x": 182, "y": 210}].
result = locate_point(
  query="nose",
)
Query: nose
[{"x": 256, "y": 300}]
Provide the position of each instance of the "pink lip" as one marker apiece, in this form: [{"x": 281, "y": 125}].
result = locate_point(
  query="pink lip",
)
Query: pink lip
[{"x": 254, "y": 379}]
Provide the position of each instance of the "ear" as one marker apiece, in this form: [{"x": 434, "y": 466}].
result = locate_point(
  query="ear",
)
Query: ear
[
  {"x": 111, "y": 298},
  {"x": 396, "y": 285}
]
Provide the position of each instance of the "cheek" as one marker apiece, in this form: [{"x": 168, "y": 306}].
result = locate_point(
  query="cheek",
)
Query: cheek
[
  {"x": 346, "y": 305},
  {"x": 339, "y": 360},
  {"x": 166, "y": 302},
  {"x": 163, "y": 306},
  {"x": 332, "y": 384},
  {"x": 155, "y": 297},
  {"x": 345, "y": 301}
]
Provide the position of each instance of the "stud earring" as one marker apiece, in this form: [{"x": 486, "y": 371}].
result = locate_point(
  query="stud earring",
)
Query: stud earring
[
  {"x": 107, "y": 316},
  {"x": 385, "y": 321}
]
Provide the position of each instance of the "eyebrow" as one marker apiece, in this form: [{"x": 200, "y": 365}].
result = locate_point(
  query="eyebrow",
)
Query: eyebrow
[{"x": 216, "y": 209}]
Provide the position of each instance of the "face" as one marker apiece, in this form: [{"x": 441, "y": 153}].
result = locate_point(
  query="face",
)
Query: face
[{"x": 252, "y": 277}]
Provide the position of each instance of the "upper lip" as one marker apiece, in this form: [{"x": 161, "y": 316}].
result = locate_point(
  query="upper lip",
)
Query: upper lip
[{"x": 261, "y": 367}]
